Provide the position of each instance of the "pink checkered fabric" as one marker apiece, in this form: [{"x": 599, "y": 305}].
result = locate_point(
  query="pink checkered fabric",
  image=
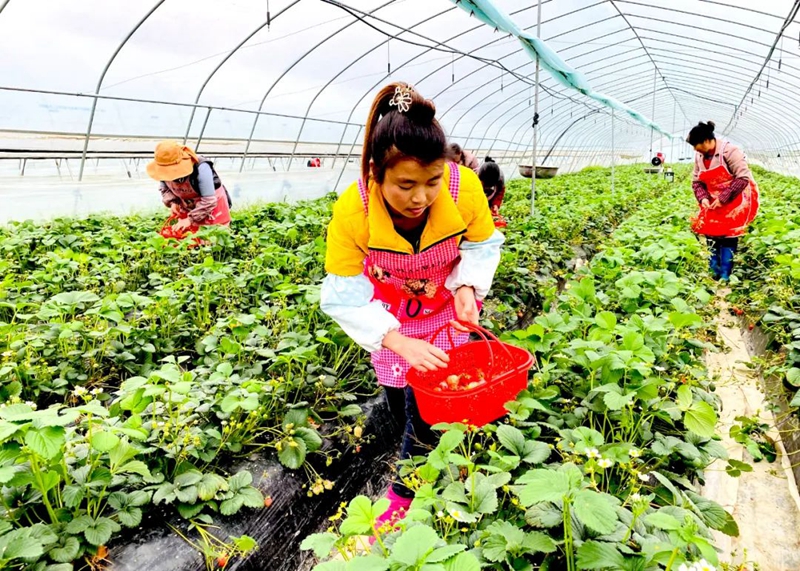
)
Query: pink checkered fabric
[{"x": 411, "y": 287}]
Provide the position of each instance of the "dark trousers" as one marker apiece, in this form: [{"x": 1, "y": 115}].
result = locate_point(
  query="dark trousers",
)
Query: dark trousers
[
  {"x": 418, "y": 438},
  {"x": 722, "y": 251}
]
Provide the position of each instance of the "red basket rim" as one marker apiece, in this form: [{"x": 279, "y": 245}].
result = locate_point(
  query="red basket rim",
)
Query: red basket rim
[{"x": 418, "y": 385}]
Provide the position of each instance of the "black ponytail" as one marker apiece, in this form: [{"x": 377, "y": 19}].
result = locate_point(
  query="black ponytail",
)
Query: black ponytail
[
  {"x": 701, "y": 133},
  {"x": 393, "y": 133}
]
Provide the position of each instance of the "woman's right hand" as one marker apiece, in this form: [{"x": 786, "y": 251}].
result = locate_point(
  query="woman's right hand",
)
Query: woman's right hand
[
  {"x": 420, "y": 354},
  {"x": 705, "y": 203},
  {"x": 175, "y": 209}
]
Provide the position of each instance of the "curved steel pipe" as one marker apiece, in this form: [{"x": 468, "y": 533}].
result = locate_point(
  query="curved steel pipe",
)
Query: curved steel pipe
[
  {"x": 103, "y": 76},
  {"x": 221, "y": 63}
]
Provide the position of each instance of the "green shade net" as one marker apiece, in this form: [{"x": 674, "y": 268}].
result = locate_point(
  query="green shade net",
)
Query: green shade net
[{"x": 493, "y": 16}]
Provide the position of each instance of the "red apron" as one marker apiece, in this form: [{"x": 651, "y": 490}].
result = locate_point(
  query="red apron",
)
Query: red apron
[
  {"x": 411, "y": 287},
  {"x": 729, "y": 220},
  {"x": 184, "y": 191}
]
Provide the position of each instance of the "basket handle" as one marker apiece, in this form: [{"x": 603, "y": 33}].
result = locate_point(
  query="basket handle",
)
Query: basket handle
[
  {"x": 170, "y": 219},
  {"x": 167, "y": 229},
  {"x": 485, "y": 335}
]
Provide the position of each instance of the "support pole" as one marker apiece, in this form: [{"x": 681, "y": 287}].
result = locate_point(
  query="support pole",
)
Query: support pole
[
  {"x": 613, "y": 152},
  {"x": 536, "y": 111},
  {"x": 653, "y": 113},
  {"x": 347, "y": 158},
  {"x": 672, "y": 140},
  {"x": 683, "y": 134},
  {"x": 202, "y": 130}
]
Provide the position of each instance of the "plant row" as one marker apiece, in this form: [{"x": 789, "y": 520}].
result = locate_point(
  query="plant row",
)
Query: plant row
[
  {"x": 595, "y": 466},
  {"x": 134, "y": 370},
  {"x": 767, "y": 285}
]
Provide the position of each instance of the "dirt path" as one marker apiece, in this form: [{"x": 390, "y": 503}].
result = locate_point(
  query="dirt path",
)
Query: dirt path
[{"x": 764, "y": 502}]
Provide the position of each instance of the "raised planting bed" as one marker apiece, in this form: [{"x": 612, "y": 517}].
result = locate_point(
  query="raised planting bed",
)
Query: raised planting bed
[
  {"x": 594, "y": 468},
  {"x": 294, "y": 511},
  {"x": 574, "y": 212},
  {"x": 764, "y": 292},
  {"x": 787, "y": 422},
  {"x": 136, "y": 371}
]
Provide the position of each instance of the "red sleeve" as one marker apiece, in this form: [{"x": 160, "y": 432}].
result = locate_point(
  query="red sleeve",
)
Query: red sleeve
[
  {"x": 203, "y": 209},
  {"x": 700, "y": 191},
  {"x": 735, "y": 188},
  {"x": 166, "y": 196}
]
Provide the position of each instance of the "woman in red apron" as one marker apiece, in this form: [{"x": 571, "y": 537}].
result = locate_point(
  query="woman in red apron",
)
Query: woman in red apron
[
  {"x": 411, "y": 248},
  {"x": 728, "y": 196},
  {"x": 190, "y": 187}
]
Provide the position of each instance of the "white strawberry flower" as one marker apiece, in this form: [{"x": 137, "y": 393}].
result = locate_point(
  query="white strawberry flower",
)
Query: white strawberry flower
[
  {"x": 592, "y": 453},
  {"x": 605, "y": 463}
]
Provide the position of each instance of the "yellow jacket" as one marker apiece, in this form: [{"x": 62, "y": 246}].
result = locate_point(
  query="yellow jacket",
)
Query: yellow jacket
[{"x": 352, "y": 233}]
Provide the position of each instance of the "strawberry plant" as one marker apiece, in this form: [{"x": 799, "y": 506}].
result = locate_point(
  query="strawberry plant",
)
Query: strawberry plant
[
  {"x": 594, "y": 466},
  {"x": 134, "y": 371},
  {"x": 768, "y": 277}
]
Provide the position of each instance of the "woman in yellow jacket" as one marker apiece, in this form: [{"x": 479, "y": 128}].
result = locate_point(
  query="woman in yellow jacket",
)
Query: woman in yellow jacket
[{"x": 411, "y": 248}]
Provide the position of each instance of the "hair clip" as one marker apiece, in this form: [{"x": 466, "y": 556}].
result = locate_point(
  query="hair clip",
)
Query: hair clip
[{"x": 402, "y": 98}]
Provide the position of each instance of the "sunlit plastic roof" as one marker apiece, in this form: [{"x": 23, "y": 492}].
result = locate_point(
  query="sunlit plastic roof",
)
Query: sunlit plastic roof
[{"x": 170, "y": 67}]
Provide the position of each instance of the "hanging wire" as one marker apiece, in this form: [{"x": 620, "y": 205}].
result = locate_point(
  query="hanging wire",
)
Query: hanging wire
[
  {"x": 453, "y": 68},
  {"x": 269, "y": 17},
  {"x": 388, "y": 57},
  {"x": 768, "y": 70}
]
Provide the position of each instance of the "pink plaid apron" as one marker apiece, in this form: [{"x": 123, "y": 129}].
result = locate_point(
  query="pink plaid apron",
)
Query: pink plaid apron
[
  {"x": 411, "y": 287},
  {"x": 221, "y": 214}
]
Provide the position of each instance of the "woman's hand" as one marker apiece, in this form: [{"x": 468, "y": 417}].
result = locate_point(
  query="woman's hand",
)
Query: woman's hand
[
  {"x": 420, "y": 354},
  {"x": 466, "y": 308},
  {"x": 705, "y": 203},
  {"x": 175, "y": 209},
  {"x": 716, "y": 204},
  {"x": 183, "y": 224}
]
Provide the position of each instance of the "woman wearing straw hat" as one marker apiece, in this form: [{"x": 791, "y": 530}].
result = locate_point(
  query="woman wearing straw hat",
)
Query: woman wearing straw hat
[{"x": 190, "y": 187}]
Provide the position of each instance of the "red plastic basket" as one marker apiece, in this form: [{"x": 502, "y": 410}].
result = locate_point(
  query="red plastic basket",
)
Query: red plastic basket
[
  {"x": 500, "y": 222},
  {"x": 504, "y": 366},
  {"x": 168, "y": 231}
]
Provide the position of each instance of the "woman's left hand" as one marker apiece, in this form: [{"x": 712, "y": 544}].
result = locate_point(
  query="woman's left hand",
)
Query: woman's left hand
[
  {"x": 466, "y": 307},
  {"x": 183, "y": 224}
]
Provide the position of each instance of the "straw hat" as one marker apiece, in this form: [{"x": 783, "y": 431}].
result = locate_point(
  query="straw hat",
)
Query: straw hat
[{"x": 172, "y": 161}]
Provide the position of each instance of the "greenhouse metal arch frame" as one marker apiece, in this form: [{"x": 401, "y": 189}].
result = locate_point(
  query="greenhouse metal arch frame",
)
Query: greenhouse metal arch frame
[{"x": 756, "y": 121}]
